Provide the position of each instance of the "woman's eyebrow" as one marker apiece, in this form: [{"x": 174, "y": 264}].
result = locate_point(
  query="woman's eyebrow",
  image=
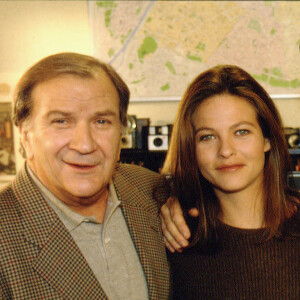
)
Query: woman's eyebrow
[
  {"x": 243, "y": 123},
  {"x": 203, "y": 129}
]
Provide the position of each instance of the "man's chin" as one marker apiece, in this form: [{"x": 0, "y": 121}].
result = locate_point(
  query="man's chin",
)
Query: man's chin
[{"x": 86, "y": 194}]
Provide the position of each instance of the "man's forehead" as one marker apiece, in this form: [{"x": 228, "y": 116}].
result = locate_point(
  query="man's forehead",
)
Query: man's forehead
[{"x": 72, "y": 87}]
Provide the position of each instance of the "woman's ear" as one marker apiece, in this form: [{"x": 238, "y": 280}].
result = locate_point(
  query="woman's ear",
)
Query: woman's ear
[{"x": 267, "y": 145}]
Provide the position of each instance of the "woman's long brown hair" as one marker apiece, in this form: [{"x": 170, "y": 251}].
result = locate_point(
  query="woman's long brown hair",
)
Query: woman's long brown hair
[{"x": 192, "y": 189}]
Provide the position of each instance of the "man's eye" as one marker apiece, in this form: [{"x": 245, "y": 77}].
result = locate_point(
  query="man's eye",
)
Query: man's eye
[
  {"x": 103, "y": 121},
  {"x": 60, "y": 121}
]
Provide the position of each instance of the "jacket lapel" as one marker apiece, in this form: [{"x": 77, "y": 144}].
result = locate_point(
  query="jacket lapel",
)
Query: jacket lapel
[
  {"x": 142, "y": 222},
  {"x": 55, "y": 255}
]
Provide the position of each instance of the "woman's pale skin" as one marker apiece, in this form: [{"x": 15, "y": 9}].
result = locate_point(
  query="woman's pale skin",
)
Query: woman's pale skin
[{"x": 230, "y": 151}]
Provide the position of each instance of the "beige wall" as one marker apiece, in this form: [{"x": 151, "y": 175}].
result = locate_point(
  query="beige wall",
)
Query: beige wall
[{"x": 31, "y": 30}]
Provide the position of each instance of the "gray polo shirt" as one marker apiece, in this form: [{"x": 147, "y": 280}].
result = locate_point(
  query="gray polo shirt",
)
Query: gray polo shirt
[{"x": 106, "y": 246}]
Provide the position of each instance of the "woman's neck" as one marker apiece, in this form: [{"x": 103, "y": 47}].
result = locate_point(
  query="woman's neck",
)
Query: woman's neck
[{"x": 242, "y": 209}]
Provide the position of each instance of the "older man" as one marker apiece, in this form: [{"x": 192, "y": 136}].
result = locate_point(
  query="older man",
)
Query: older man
[{"x": 76, "y": 224}]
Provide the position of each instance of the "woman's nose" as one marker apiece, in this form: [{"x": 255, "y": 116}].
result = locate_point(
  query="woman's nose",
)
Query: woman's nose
[{"x": 226, "y": 148}]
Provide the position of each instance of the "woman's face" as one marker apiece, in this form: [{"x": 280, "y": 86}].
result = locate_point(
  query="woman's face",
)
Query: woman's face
[{"x": 230, "y": 146}]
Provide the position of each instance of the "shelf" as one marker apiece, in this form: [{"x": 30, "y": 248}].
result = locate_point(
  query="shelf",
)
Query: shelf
[
  {"x": 294, "y": 151},
  {"x": 141, "y": 151}
]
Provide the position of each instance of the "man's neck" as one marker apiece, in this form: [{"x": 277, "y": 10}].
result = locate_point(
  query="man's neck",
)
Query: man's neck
[
  {"x": 96, "y": 208},
  {"x": 92, "y": 206}
]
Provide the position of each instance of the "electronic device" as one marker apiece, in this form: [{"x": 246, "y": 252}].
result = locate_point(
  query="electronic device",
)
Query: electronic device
[
  {"x": 128, "y": 139},
  {"x": 292, "y": 136},
  {"x": 142, "y": 125},
  {"x": 294, "y": 180},
  {"x": 159, "y": 137}
]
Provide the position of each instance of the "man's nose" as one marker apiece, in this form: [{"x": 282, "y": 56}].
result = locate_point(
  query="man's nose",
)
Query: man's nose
[{"x": 82, "y": 139}]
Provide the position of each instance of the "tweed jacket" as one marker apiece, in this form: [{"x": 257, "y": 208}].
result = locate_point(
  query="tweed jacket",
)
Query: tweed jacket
[{"x": 40, "y": 260}]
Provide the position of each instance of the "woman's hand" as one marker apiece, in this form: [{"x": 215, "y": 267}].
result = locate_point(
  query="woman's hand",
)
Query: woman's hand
[{"x": 175, "y": 230}]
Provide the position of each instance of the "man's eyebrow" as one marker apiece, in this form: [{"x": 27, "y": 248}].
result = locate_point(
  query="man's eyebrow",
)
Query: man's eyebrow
[
  {"x": 107, "y": 112},
  {"x": 59, "y": 113}
]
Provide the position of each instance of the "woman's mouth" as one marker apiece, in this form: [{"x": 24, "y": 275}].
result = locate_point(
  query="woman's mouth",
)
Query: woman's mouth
[{"x": 230, "y": 168}]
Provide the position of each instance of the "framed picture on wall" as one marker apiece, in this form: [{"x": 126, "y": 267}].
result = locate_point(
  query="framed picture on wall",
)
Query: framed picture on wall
[{"x": 7, "y": 153}]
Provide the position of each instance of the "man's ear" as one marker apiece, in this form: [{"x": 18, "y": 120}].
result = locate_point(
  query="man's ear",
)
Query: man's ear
[
  {"x": 119, "y": 149},
  {"x": 25, "y": 141},
  {"x": 123, "y": 131},
  {"x": 267, "y": 146}
]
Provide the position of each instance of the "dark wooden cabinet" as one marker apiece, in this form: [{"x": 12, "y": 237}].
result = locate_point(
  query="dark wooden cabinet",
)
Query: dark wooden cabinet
[
  {"x": 295, "y": 158},
  {"x": 152, "y": 160}
]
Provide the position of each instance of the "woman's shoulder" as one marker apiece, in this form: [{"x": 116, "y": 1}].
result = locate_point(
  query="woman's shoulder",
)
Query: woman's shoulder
[{"x": 291, "y": 225}]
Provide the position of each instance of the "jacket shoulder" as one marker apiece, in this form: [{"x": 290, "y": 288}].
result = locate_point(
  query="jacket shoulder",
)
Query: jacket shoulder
[
  {"x": 7, "y": 203},
  {"x": 145, "y": 180},
  {"x": 130, "y": 170}
]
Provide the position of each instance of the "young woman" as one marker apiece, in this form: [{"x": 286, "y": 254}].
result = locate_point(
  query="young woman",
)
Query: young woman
[{"x": 228, "y": 158}]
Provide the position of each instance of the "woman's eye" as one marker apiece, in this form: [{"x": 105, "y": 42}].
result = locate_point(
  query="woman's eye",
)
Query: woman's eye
[
  {"x": 242, "y": 132},
  {"x": 206, "y": 137}
]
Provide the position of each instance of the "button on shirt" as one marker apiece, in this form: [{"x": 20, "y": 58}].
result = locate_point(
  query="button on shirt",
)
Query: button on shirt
[{"x": 106, "y": 246}]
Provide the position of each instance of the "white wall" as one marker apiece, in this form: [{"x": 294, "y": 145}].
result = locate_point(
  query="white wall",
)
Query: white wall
[{"x": 31, "y": 30}]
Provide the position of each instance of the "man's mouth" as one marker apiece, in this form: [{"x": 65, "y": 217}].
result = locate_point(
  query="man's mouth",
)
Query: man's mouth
[{"x": 81, "y": 166}]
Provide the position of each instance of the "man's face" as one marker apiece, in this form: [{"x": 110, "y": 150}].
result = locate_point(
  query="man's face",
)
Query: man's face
[{"x": 72, "y": 139}]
